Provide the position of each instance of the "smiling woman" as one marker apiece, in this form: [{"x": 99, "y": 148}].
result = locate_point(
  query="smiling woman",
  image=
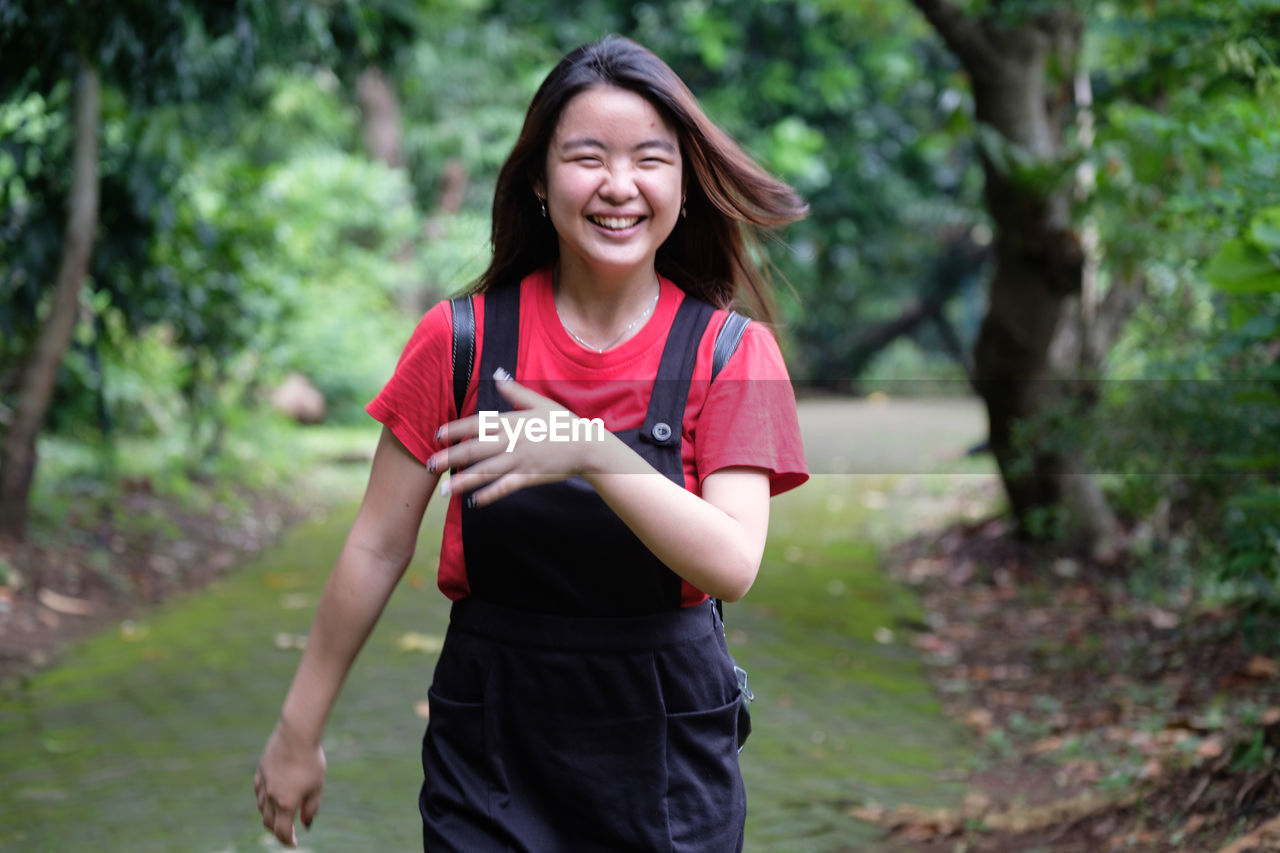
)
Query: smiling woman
[
  {"x": 584, "y": 698},
  {"x": 614, "y": 187}
]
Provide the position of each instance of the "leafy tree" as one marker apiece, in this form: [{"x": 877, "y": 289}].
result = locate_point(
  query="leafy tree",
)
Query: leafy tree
[
  {"x": 145, "y": 51},
  {"x": 136, "y": 66},
  {"x": 1023, "y": 59},
  {"x": 1067, "y": 275}
]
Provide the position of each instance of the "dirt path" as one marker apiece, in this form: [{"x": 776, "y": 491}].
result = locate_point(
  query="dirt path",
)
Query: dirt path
[{"x": 144, "y": 738}]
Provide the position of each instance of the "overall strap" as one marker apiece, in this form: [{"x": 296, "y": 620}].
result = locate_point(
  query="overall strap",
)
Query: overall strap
[
  {"x": 662, "y": 421},
  {"x": 464, "y": 348}
]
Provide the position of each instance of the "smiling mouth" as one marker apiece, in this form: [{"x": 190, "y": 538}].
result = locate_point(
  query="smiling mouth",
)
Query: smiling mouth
[{"x": 615, "y": 223}]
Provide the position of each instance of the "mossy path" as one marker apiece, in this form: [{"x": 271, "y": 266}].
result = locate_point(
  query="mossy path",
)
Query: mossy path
[{"x": 145, "y": 738}]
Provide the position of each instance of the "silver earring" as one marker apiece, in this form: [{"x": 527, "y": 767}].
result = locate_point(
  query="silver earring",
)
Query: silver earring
[{"x": 542, "y": 201}]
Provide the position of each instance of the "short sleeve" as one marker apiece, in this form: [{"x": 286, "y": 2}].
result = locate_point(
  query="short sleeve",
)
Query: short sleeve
[
  {"x": 749, "y": 418},
  {"x": 418, "y": 398}
]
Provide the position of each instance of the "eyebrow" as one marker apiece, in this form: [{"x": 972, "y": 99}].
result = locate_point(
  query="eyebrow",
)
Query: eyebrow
[{"x": 592, "y": 142}]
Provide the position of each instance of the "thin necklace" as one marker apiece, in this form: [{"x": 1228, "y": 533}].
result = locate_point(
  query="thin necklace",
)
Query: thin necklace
[{"x": 621, "y": 335}]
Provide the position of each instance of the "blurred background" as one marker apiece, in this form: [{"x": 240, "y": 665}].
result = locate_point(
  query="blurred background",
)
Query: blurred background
[{"x": 1033, "y": 320}]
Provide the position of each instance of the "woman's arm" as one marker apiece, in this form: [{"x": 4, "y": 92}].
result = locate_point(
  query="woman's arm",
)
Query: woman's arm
[
  {"x": 715, "y": 541},
  {"x": 378, "y": 548}
]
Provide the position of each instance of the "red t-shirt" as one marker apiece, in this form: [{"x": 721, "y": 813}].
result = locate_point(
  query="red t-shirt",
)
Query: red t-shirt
[{"x": 747, "y": 417}]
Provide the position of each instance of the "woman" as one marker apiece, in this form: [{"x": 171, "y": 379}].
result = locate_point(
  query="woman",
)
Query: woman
[{"x": 584, "y": 698}]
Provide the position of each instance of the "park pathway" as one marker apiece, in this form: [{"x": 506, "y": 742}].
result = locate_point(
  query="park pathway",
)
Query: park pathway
[{"x": 145, "y": 738}]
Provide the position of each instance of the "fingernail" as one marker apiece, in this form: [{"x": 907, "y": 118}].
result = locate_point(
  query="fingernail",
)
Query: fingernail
[
  {"x": 471, "y": 501},
  {"x": 440, "y": 434},
  {"x": 501, "y": 375},
  {"x": 431, "y": 465},
  {"x": 445, "y": 488}
]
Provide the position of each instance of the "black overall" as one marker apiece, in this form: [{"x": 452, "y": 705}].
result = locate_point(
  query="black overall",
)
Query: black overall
[{"x": 576, "y": 706}]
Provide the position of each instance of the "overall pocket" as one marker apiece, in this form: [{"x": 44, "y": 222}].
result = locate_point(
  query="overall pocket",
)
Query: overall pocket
[{"x": 706, "y": 799}]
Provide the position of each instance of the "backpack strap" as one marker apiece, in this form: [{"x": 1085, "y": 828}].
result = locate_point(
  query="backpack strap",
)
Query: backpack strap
[
  {"x": 464, "y": 348},
  {"x": 727, "y": 340}
]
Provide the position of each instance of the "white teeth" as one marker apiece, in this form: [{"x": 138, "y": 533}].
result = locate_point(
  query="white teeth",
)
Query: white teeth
[{"x": 614, "y": 223}]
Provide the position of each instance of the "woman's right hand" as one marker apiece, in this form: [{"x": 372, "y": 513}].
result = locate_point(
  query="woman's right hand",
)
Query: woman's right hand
[{"x": 290, "y": 777}]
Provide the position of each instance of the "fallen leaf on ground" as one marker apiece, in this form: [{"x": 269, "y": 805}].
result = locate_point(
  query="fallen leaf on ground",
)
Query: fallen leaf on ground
[
  {"x": 976, "y": 804},
  {"x": 281, "y": 580},
  {"x": 1265, "y": 837},
  {"x": 1028, "y": 818},
  {"x": 1053, "y": 743},
  {"x": 1193, "y": 825},
  {"x": 290, "y": 641},
  {"x": 64, "y": 604},
  {"x": 1261, "y": 667},
  {"x": 870, "y": 813},
  {"x": 415, "y": 642},
  {"x": 1209, "y": 748},
  {"x": 980, "y": 719},
  {"x": 132, "y": 631}
]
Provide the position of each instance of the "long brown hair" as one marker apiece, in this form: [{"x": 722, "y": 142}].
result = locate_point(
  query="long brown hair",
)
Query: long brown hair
[{"x": 712, "y": 251}]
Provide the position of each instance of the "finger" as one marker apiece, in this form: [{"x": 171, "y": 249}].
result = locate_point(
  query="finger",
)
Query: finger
[
  {"x": 478, "y": 474},
  {"x": 520, "y": 396},
  {"x": 310, "y": 808},
  {"x": 467, "y": 453},
  {"x": 507, "y": 484},
  {"x": 459, "y": 430},
  {"x": 283, "y": 827}
]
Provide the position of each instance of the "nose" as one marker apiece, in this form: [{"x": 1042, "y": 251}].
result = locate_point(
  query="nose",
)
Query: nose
[{"x": 619, "y": 185}]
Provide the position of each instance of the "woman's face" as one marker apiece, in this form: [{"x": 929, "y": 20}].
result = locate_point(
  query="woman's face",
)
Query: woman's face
[{"x": 614, "y": 182}]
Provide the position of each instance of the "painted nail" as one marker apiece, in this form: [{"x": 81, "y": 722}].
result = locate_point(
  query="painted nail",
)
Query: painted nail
[
  {"x": 431, "y": 465},
  {"x": 440, "y": 434},
  {"x": 501, "y": 375},
  {"x": 471, "y": 501},
  {"x": 445, "y": 488}
]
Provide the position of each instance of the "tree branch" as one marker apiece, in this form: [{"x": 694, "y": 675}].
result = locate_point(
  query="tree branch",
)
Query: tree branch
[{"x": 962, "y": 34}]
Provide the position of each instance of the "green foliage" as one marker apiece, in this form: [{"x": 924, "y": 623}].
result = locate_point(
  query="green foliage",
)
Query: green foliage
[
  {"x": 1250, "y": 263},
  {"x": 857, "y": 107},
  {"x": 207, "y": 249},
  {"x": 1036, "y": 175},
  {"x": 1188, "y": 172}
]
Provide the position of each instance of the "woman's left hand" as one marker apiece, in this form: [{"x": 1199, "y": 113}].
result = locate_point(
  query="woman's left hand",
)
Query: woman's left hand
[{"x": 535, "y": 444}]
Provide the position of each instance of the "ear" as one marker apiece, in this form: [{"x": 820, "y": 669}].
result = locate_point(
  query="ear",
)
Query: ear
[{"x": 539, "y": 187}]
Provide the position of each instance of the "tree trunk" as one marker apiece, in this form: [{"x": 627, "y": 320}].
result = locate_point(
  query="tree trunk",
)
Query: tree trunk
[
  {"x": 18, "y": 453},
  {"x": 382, "y": 133},
  {"x": 1023, "y": 75}
]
